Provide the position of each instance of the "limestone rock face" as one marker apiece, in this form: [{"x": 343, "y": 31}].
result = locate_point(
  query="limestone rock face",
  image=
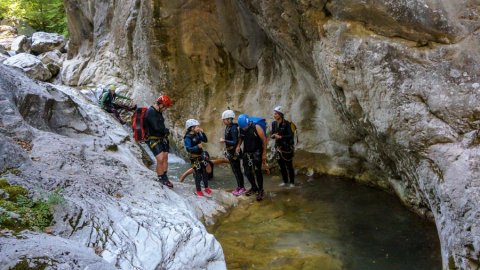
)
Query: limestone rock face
[
  {"x": 114, "y": 215},
  {"x": 30, "y": 65},
  {"x": 386, "y": 92},
  {"x": 44, "y": 42}
]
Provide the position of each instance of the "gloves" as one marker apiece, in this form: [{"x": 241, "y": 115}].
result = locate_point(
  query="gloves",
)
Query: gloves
[{"x": 166, "y": 131}]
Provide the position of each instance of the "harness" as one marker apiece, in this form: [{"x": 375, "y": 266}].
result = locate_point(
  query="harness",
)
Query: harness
[
  {"x": 156, "y": 140},
  {"x": 279, "y": 154}
]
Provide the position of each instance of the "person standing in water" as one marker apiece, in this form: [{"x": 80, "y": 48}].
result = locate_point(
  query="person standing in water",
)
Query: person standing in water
[
  {"x": 284, "y": 146},
  {"x": 231, "y": 139},
  {"x": 193, "y": 144},
  {"x": 157, "y": 139},
  {"x": 254, "y": 143}
]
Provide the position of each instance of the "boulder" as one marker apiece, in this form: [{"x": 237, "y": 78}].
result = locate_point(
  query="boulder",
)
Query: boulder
[
  {"x": 31, "y": 65},
  {"x": 44, "y": 42},
  {"x": 52, "y": 60},
  {"x": 7, "y": 31},
  {"x": 3, "y": 57},
  {"x": 21, "y": 44}
]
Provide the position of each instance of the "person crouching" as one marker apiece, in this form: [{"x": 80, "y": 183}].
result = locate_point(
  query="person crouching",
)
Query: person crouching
[{"x": 193, "y": 144}]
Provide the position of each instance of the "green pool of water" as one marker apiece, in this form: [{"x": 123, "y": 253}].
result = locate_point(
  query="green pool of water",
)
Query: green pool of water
[{"x": 326, "y": 223}]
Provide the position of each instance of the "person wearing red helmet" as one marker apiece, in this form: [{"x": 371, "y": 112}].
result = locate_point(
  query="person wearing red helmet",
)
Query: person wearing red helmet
[{"x": 157, "y": 139}]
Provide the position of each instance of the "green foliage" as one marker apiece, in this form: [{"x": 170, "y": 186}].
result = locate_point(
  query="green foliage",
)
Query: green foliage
[
  {"x": 34, "y": 213},
  {"x": 15, "y": 191},
  {"x": 43, "y": 15},
  {"x": 4, "y": 183}
]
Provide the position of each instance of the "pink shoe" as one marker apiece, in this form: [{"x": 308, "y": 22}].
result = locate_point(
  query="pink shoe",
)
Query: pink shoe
[
  {"x": 235, "y": 192},
  {"x": 241, "y": 191},
  {"x": 199, "y": 193},
  {"x": 208, "y": 191}
]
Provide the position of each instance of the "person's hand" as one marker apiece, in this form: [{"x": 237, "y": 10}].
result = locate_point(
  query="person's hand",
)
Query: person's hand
[
  {"x": 276, "y": 136},
  {"x": 222, "y": 140},
  {"x": 237, "y": 150},
  {"x": 265, "y": 166},
  {"x": 200, "y": 145}
]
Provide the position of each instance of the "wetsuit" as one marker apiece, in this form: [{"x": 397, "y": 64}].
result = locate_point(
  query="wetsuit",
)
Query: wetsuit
[
  {"x": 107, "y": 103},
  {"x": 198, "y": 161},
  {"x": 231, "y": 141},
  {"x": 157, "y": 139},
  {"x": 252, "y": 157},
  {"x": 285, "y": 150}
]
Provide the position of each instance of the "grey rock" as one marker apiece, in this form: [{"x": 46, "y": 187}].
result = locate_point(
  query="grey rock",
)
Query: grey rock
[
  {"x": 52, "y": 60},
  {"x": 30, "y": 65},
  {"x": 44, "y": 42},
  {"x": 21, "y": 44},
  {"x": 40, "y": 250}
]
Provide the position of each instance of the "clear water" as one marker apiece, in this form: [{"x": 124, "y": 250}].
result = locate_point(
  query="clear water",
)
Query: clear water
[{"x": 324, "y": 223}]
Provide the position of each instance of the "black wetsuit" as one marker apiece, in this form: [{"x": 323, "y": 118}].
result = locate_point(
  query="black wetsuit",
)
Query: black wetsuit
[
  {"x": 157, "y": 139},
  {"x": 252, "y": 157},
  {"x": 285, "y": 150},
  {"x": 199, "y": 163},
  {"x": 231, "y": 141}
]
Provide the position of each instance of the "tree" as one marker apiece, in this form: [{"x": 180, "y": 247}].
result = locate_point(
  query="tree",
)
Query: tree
[{"x": 42, "y": 15}]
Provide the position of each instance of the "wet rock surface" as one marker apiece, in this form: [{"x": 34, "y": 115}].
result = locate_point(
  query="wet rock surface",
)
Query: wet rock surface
[{"x": 114, "y": 215}]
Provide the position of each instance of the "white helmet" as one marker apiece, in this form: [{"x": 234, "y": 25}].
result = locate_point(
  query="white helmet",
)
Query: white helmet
[
  {"x": 191, "y": 123},
  {"x": 228, "y": 114},
  {"x": 279, "y": 109}
]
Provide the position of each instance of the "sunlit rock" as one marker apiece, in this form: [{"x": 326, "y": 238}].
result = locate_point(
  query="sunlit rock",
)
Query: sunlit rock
[
  {"x": 44, "y": 42},
  {"x": 30, "y": 65}
]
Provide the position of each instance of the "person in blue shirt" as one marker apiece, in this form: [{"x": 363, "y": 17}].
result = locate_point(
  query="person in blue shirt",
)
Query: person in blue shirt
[{"x": 193, "y": 144}]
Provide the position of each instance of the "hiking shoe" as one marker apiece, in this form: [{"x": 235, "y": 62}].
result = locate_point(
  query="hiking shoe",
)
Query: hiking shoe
[
  {"x": 235, "y": 192},
  {"x": 250, "y": 192},
  {"x": 291, "y": 185},
  {"x": 282, "y": 184},
  {"x": 199, "y": 193},
  {"x": 167, "y": 183},
  {"x": 260, "y": 195},
  {"x": 241, "y": 191},
  {"x": 208, "y": 191}
]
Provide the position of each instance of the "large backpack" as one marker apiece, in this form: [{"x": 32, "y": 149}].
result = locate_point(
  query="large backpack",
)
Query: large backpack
[
  {"x": 100, "y": 97},
  {"x": 138, "y": 124},
  {"x": 261, "y": 122}
]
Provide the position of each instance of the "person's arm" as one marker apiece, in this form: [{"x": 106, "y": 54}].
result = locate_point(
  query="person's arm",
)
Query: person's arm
[
  {"x": 185, "y": 174},
  {"x": 220, "y": 161},
  {"x": 263, "y": 137},
  {"x": 122, "y": 97},
  {"x": 189, "y": 147},
  {"x": 240, "y": 141},
  {"x": 203, "y": 136},
  {"x": 234, "y": 132}
]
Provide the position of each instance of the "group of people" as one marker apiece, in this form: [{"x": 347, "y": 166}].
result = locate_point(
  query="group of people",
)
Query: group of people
[{"x": 245, "y": 144}]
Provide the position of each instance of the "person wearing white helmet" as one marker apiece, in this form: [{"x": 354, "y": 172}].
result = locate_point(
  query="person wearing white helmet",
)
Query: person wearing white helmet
[
  {"x": 193, "y": 144},
  {"x": 283, "y": 135},
  {"x": 230, "y": 140}
]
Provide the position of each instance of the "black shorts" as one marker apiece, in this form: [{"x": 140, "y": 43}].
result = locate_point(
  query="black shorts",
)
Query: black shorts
[{"x": 159, "y": 146}]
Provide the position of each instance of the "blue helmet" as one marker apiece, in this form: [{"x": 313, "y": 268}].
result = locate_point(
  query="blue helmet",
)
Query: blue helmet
[{"x": 243, "y": 120}]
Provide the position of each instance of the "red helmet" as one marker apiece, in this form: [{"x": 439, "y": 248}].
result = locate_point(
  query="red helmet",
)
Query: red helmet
[{"x": 165, "y": 101}]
